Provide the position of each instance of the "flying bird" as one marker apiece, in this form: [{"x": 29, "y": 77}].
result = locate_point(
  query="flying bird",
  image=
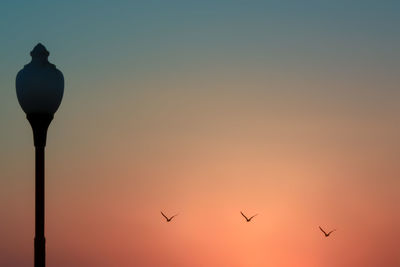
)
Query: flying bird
[
  {"x": 325, "y": 233},
  {"x": 168, "y": 219},
  {"x": 248, "y": 219}
]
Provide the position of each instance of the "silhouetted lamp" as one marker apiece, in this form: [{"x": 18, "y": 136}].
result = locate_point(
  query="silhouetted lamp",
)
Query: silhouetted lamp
[{"x": 40, "y": 88}]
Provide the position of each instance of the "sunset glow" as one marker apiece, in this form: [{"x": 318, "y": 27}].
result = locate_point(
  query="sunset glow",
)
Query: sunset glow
[{"x": 283, "y": 109}]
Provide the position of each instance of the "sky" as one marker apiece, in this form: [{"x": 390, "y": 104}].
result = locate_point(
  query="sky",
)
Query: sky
[{"x": 288, "y": 109}]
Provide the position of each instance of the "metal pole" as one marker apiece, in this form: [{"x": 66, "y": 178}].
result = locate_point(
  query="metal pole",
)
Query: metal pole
[
  {"x": 40, "y": 123},
  {"x": 40, "y": 240}
]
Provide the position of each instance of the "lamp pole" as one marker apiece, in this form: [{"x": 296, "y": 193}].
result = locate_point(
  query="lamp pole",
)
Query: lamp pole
[
  {"x": 40, "y": 88},
  {"x": 40, "y": 124}
]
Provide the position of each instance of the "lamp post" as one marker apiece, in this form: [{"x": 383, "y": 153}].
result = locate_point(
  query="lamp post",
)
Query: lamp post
[{"x": 40, "y": 88}]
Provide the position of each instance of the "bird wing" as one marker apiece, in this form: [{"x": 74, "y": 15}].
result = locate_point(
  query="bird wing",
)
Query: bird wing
[
  {"x": 164, "y": 215},
  {"x": 244, "y": 215},
  {"x": 331, "y": 231},
  {"x": 173, "y": 216},
  {"x": 253, "y": 216},
  {"x": 322, "y": 230}
]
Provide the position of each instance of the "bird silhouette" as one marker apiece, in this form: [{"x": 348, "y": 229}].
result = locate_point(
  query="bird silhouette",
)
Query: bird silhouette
[
  {"x": 248, "y": 219},
  {"x": 325, "y": 233},
  {"x": 165, "y": 216}
]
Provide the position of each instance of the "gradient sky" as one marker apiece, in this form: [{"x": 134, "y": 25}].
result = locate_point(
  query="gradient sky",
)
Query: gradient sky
[{"x": 289, "y": 109}]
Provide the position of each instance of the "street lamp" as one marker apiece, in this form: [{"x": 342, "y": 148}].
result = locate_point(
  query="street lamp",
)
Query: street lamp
[{"x": 40, "y": 88}]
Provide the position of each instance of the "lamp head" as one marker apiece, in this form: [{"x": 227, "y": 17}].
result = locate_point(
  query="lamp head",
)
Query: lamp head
[{"x": 40, "y": 85}]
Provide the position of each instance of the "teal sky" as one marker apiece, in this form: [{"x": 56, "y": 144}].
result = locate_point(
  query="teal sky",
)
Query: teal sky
[
  {"x": 102, "y": 46},
  {"x": 161, "y": 36},
  {"x": 289, "y": 109},
  {"x": 140, "y": 40}
]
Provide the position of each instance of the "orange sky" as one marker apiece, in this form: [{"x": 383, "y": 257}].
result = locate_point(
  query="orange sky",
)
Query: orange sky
[{"x": 298, "y": 168}]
